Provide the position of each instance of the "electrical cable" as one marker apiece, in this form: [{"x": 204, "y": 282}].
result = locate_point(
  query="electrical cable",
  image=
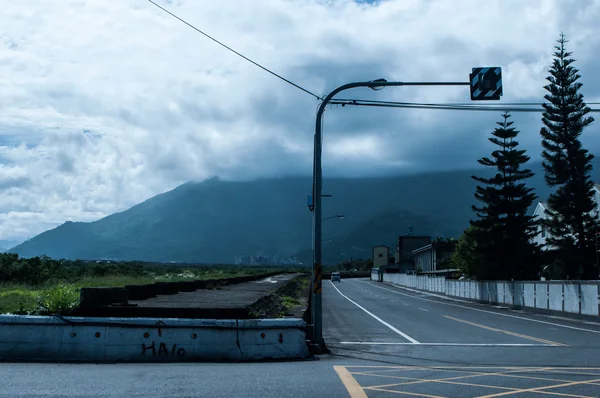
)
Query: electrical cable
[
  {"x": 235, "y": 52},
  {"x": 490, "y": 103},
  {"x": 392, "y": 104}
]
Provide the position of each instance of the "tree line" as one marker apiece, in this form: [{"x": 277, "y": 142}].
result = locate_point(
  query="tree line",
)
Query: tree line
[
  {"x": 40, "y": 270},
  {"x": 499, "y": 244},
  {"x": 37, "y": 271}
]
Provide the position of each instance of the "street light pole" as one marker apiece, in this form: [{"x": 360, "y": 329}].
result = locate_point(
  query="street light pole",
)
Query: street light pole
[
  {"x": 317, "y": 286},
  {"x": 330, "y": 217}
]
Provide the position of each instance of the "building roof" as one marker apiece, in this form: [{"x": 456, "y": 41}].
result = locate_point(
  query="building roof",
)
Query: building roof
[
  {"x": 422, "y": 249},
  {"x": 433, "y": 245},
  {"x": 414, "y": 237},
  {"x": 542, "y": 206}
]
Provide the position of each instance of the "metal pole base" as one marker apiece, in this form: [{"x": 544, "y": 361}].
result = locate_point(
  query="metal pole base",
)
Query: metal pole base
[{"x": 318, "y": 349}]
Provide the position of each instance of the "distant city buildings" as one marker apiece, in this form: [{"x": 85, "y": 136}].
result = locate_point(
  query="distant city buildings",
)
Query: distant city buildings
[
  {"x": 266, "y": 260},
  {"x": 414, "y": 253}
]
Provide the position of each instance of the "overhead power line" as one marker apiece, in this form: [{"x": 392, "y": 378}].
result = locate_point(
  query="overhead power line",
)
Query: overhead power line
[
  {"x": 235, "y": 52},
  {"x": 462, "y": 107},
  {"x": 489, "y": 103}
]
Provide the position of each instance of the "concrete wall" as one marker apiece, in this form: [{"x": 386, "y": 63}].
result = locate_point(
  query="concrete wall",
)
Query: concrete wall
[
  {"x": 48, "y": 338},
  {"x": 575, "y": 297},
  {"x": 424, "y": 259},
  {"x": 381, "y": 256},
  {"x": 374, "y": 274}
]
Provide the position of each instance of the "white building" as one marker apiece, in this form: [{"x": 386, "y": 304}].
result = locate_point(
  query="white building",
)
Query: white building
[{"x": 540, "y": 213}]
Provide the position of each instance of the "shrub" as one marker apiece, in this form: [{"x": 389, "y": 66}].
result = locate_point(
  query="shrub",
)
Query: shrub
[{"x": 62, "y": 299}]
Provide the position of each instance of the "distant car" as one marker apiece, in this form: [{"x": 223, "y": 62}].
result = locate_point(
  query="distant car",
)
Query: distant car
[{"x": 335, "y": 276}]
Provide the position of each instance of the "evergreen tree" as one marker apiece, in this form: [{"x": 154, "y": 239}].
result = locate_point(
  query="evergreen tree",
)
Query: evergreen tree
[
  {"x": 502, "y": 234},
  {"x": 573, "y": 221},
  {"x": 465, "y": 256}
]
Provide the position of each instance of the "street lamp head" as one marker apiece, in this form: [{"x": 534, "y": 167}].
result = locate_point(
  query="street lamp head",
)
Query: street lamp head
[
  {"x": 377, "y": 88},
  {"x": 330, "y": 217}
]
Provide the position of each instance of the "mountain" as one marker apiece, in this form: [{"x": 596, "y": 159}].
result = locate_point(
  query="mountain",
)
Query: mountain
[
  {"x": 213, "y": 221},
  {"x": 5, "y": 245}
]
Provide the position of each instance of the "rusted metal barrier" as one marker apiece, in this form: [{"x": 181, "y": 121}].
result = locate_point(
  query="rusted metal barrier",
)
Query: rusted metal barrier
[
  {"x": 102, "y": 296},
  {"x": 98, "y": 296},
  {"x": 141, "y": 292}
]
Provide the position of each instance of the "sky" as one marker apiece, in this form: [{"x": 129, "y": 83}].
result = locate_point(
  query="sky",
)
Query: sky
[{"x": 104, "y": 104}]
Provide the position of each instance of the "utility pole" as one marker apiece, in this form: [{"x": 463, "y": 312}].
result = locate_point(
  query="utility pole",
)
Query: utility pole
[{"x": 486, "y": 84}]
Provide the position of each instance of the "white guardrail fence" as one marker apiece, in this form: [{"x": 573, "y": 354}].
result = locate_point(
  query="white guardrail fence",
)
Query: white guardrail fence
[{"x": 575, "y": 297}]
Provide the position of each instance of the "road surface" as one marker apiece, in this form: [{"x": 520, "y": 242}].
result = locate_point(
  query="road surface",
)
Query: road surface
[
  {"x": 432, "y": 346},
  {"x": 385, "y": 342}
]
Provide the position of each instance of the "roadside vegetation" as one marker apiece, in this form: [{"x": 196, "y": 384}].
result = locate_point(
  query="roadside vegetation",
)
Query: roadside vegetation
[
  {"x": 499, "y": 244},
  {"x": 42, "y": 285},
  {"x": 297, "y": 298}
]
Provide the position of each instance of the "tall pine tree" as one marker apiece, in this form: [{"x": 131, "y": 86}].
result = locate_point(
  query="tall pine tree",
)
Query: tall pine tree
[
  {"x": 503, "y": 232},
  {"x": 573, "y": 221}
]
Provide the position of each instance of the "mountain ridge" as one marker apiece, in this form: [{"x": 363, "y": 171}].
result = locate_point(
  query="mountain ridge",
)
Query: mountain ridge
[{"x": 214, "y": 221}]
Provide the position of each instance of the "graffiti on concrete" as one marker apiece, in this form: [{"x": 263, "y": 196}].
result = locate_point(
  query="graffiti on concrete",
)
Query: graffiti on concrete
[{"x": 163, "y": 350}]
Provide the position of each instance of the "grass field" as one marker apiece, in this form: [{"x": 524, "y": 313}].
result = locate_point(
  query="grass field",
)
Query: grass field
[{"x": 60, "y": 295}]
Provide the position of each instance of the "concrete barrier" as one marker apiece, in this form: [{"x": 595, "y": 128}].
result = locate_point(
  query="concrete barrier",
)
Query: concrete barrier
[
  {"x": 76, "y": 339},
  {"x": 556, "y": 297}
]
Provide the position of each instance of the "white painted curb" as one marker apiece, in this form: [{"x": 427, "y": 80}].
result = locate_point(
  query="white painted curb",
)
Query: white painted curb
[{"x": 79, "y": 339}]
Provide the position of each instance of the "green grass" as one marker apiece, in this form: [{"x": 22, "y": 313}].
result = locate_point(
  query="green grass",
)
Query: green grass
[
  {"x": 60, "y": 296},
  {"x": 290, "y": 302},
  {"x": 60, "y": 299},
  {"x": 18, "y": 299},
  {"x": 304, "y": 283}
]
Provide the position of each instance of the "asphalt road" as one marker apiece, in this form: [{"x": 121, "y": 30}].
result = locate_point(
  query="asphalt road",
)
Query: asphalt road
[
  {"x": 426, "y": 345},
  {"x": 384, "y": 341}
]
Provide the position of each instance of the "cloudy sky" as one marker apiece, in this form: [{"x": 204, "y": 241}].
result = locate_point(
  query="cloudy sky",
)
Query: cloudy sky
[{"x": 105, "y": 103}]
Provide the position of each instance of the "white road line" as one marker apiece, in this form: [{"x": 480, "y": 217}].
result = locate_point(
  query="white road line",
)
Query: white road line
[
  {"x": 446, "y": 344},
  {"x": 407, "y": 337},
  {"x": 489, "y": 312}
]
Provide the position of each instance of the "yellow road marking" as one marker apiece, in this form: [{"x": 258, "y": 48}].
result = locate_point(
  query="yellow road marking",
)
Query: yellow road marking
[
  {"x": 452, "y": 369},
  {"x": 555, "y": 368},
  {"x": 546, "y": 390},
  {"x": 354, "y": 389},
  {"x": 562, "y": 394},
  {"x": 523, "y": 336},
  {"x": 537, "y": 389},
  {"x": 448, "y": 380},
  {"x": 566, "y": 371},
  {"x": 455, "y": 369},
  {"x": 403, "y": 392},
  {"x": 514, "y": 390},
  {"x": 542, "y": 378}
]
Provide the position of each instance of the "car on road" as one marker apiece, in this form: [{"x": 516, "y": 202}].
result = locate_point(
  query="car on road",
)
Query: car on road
[{"x": 335, "y": 276}]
